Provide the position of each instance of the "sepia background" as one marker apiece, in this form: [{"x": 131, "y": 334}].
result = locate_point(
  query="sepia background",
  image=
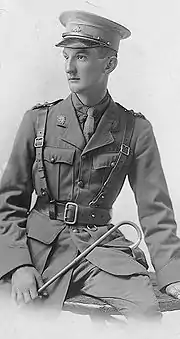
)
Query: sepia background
[{"x": 147, "y": 78}]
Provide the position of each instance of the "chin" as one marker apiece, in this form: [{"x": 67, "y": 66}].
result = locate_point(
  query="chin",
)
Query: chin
[
  {"x": 77, "y": 90},
  {"x": 73, "y": 88}
]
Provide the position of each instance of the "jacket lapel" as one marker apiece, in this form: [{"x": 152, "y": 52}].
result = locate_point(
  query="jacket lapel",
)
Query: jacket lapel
[
  {"x": 103, "y": 135},
  {"x": 71, "y": 132}
]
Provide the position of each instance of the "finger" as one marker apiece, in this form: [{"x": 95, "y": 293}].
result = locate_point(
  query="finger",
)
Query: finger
[
  {"x": 19, "y": 297},
  {"x": 39, "y": 280},
  {"x": 174, "y": 292},
  {"x": 33, "y": 292},
  {"x": 40, "y": 284},
  {"x": 13, "y": 294},
  {"x": 26, "y": 296}
]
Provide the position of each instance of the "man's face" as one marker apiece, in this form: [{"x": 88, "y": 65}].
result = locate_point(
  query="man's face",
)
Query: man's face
[{"x": 84, "y": 69}]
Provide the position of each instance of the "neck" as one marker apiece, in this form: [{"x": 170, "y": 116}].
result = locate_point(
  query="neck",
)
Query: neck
[{"x": 91, "y": 99}]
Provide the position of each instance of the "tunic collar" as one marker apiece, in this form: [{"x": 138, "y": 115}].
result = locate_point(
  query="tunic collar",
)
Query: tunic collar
[{"x": 100, "y": 107}]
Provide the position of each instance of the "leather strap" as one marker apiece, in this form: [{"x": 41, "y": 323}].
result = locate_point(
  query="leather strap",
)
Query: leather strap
[
  {"x": 39, "y": 146},
  {"x": 124, "y": 153},
  {"x": 39, "y": 143},
  {"x": 85, "y": 214}
]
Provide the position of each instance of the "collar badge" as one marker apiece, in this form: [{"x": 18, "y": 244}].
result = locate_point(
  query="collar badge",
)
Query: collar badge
[{"x": 61, "y": 121}]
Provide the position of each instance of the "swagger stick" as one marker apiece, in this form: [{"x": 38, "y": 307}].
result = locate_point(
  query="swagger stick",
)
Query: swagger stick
[{"x": 89, "y": 249}]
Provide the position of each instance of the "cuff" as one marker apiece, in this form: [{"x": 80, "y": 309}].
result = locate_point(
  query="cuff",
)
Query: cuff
[
  {"x": 14, "y": 258},
  {"x": 169, "y": 273}
]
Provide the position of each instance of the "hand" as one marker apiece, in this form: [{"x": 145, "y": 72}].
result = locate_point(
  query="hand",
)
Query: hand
[
  {"x": 174, "y": 290},
  {"x": 25, "y": 283}
]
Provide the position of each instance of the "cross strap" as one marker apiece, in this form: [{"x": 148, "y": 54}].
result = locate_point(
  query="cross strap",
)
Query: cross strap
[{"x": 124, "y": 153}]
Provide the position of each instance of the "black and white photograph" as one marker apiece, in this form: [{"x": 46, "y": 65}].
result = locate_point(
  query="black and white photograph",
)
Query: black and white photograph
[{"x": 89, "y": 169}]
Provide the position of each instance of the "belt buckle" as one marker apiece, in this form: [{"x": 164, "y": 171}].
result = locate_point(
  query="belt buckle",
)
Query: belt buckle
[{"x": 75, "y": 212}]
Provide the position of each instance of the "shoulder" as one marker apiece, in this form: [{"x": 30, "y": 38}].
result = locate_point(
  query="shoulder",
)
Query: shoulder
[
  {"x": 136, "y": 114},
  {"x": 142, "y": 126},
  {"x": 46, "y": 104},
  {"x": 141, "y": 122},
  {"x": 32, "y": 114},
  {"x": 131, "y": 112},
  {"x": 143, "y": 129},
  {"x": 143, "y": 135}
]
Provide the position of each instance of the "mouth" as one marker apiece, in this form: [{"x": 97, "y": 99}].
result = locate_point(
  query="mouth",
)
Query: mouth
[{"x": 73, "y": 79}]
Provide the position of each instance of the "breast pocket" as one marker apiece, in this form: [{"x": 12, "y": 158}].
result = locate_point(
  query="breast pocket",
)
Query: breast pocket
[
  {"x": 102, "y": 165},
  {"x": 58, "y": 164},
  {"x": 105, "y": 160}
]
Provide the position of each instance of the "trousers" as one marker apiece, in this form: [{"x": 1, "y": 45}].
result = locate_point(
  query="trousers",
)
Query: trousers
[{"x": 133, "y": 296}]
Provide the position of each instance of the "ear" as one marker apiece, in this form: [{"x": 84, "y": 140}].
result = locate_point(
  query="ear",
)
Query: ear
[{"x": 111, "y": 64}]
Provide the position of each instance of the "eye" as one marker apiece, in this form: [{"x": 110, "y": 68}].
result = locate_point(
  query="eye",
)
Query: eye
[
  {"x": 65, "y": 56},
  {"x": 82, "y": 57}
]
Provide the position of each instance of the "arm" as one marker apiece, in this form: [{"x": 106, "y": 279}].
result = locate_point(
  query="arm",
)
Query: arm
[
  {"x": 154, "y": 205},
  {"x": 15, "y": 198}
]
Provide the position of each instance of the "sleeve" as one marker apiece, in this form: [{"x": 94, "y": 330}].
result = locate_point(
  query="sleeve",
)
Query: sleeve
[
  {"x": 155, "y": 209},
  {"x": 15, "y": 198}
]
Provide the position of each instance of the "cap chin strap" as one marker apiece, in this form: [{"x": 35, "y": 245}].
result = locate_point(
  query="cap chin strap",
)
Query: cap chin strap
[{"x": 86, "y": 37}]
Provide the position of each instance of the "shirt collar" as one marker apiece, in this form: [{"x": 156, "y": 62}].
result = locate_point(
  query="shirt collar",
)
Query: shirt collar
[{"x": 99, "y": 107}]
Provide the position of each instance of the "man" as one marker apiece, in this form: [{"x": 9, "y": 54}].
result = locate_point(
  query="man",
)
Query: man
[{"x": 76, "y": 154}]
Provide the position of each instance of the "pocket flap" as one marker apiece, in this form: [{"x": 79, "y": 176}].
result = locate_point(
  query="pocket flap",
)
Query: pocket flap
[
  {"x": 105, "y": 160},
  {"x": 55, "y": 155},
  {"x": 41, "y": 228}
]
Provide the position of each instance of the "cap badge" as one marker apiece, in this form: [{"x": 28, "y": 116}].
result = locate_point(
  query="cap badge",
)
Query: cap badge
[
  {"x": 76, "y": 29},
  {"x": 61, "y": 121}
]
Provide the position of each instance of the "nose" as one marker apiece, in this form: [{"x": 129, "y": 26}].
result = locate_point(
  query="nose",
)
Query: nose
[{"x": 70, "y": 66}]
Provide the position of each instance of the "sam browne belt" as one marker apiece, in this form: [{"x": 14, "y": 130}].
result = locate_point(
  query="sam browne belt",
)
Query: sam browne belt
[{"x": 72, "y": 213}]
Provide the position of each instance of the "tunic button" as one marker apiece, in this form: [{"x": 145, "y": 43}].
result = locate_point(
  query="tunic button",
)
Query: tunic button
[
  {"x": 43, "y": 192},
  {"x": 53, "y": 159},
  {"x": 75, "y": 230},
  {"x": 112, "y": 164},
  {"x": 81, "y": 184}
]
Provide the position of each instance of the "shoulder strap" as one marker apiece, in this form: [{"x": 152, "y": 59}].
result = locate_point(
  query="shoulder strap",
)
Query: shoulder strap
[
  {"x": 39, "y": 146},
  {"x": 124, "y": 153},
  {"x": 39, "y": 143},
  {"x": 46, "y": 104}
]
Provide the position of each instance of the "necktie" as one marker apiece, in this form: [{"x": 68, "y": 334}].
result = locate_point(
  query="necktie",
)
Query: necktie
[{"x": 89, "y": 124}]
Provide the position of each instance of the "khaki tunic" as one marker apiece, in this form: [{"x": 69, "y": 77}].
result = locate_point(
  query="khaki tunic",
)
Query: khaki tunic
[{"x": 32, "y": 238}]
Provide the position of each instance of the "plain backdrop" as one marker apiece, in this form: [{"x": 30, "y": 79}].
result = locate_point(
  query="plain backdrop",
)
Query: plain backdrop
[{"x": 147, "y": 78}]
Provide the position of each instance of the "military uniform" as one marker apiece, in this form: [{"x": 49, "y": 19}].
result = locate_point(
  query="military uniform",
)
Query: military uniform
[{"x": 77, "y": 172}]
